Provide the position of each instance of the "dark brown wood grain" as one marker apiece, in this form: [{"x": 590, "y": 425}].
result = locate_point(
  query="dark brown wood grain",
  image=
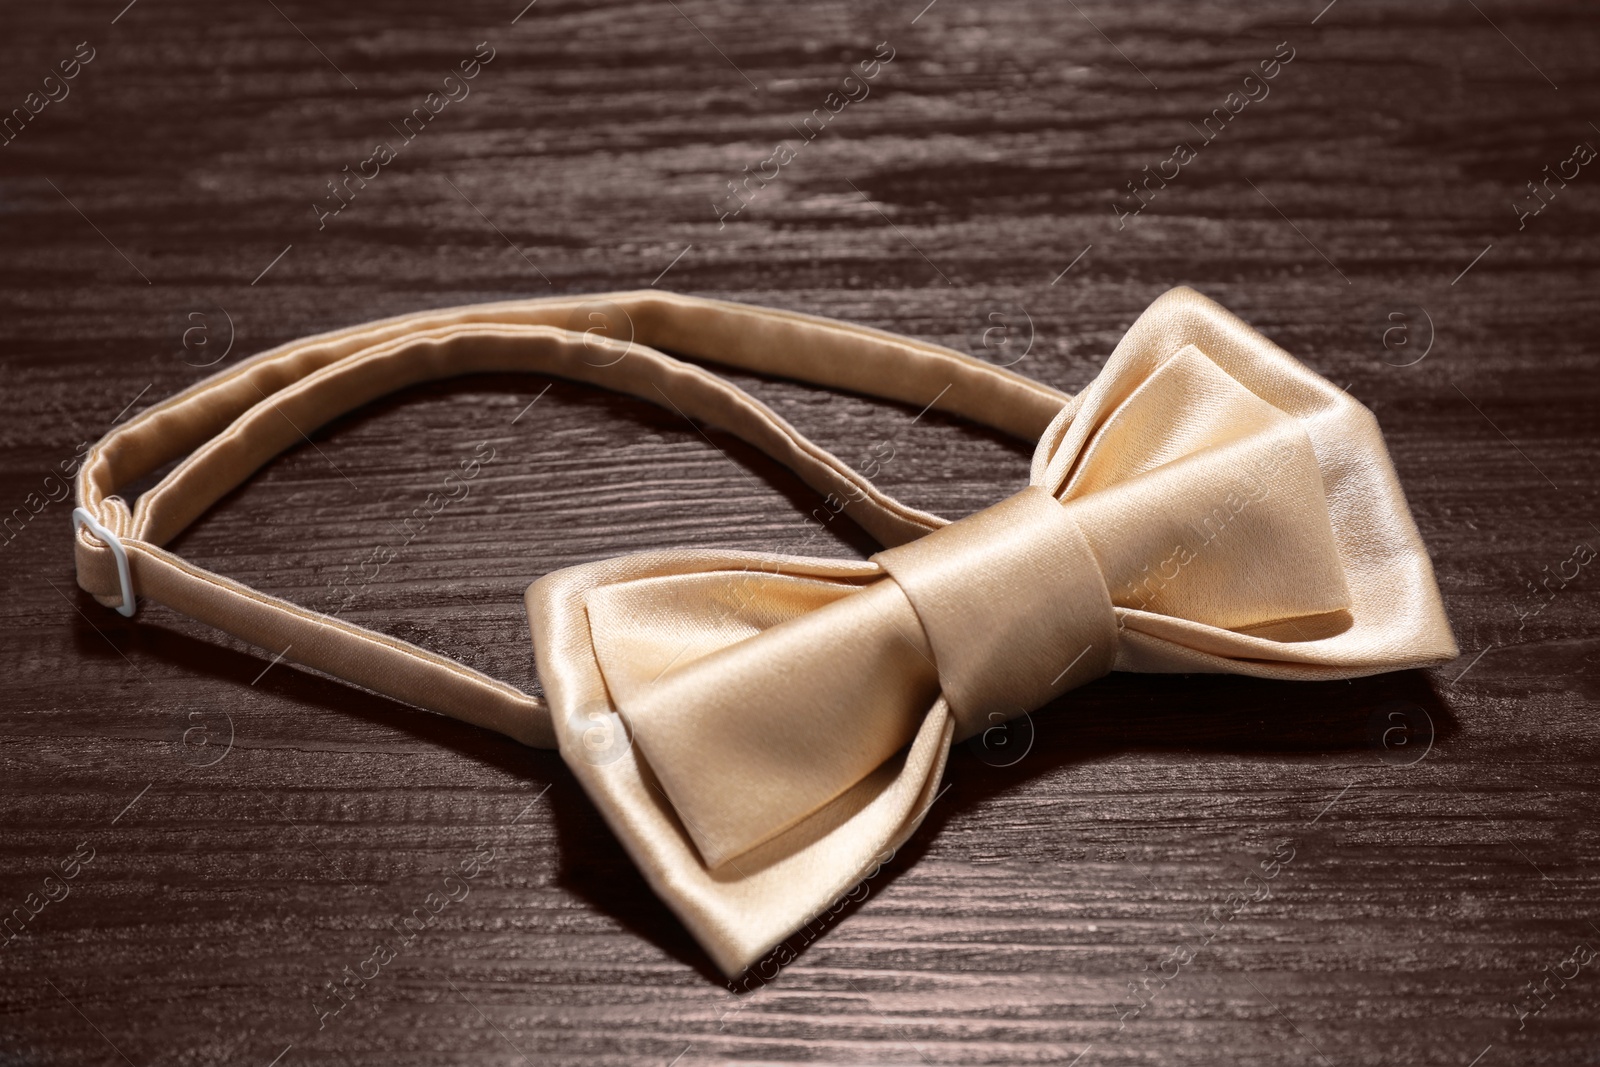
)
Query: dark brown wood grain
[{"x": 1363, "y": 214}]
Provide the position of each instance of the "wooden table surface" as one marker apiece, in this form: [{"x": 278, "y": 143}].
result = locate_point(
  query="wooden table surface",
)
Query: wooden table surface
[{"x": 239, "y": 832}]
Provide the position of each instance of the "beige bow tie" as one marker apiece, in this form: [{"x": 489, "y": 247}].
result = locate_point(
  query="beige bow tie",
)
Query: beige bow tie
[{"x": 759, "y": 729}]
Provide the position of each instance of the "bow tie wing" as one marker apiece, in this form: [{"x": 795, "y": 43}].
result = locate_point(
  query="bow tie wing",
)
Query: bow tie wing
[
  {"x": 758, "y": 698},
  {"x": 1244, "y": 510},
  {"x": 1202, "y": 501},
  {"x": 742, "y": 907}
]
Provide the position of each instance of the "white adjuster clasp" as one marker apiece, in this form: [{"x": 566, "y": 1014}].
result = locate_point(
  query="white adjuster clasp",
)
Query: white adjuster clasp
[{"x": 82, "y": 518}]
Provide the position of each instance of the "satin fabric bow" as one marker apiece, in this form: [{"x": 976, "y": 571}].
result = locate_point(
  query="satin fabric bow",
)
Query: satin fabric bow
[
  {"x": 760, "y": 730},
  {"x": 760, "y": 727}
]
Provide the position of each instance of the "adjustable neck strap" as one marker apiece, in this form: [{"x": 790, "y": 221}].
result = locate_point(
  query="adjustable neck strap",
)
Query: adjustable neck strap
[{"x": 230, "y": 425}]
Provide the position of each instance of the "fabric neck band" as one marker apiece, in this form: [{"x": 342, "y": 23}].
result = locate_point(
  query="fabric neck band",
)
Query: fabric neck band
[{"x": 230, "y": 425}]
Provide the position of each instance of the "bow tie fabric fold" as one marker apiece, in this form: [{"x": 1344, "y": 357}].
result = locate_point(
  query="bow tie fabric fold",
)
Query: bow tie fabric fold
[{"x": 758, "y": 729}]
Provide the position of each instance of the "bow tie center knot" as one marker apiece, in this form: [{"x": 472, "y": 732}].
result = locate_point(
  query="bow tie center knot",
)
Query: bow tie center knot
[{"x": 1013, "y": 604}]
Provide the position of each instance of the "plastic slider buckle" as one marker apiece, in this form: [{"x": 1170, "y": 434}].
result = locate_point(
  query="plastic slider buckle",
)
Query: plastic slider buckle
[{"x": 82, "y": 518}]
